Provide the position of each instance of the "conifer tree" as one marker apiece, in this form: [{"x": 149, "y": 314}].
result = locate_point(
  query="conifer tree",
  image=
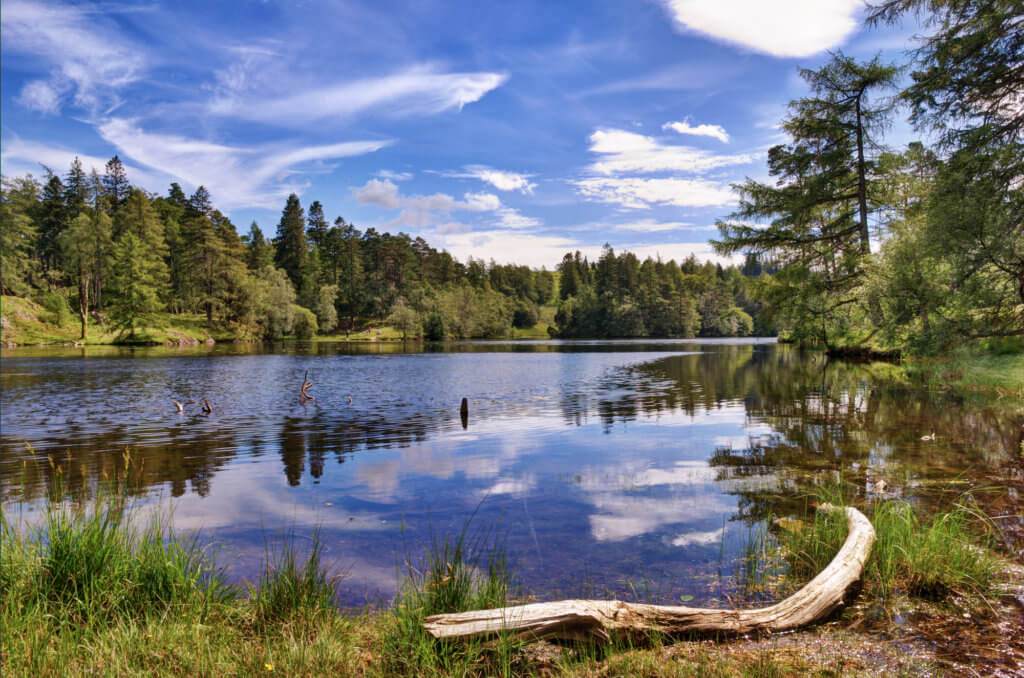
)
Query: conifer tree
[
  {"x": 820, "y": 202},
  {"x": 138, "y": 217},
  {"x": 317, "y": 230},
  {"x": 52, "y": 219},
  {"x": 76, "y": 189},
  {"x": 18, "y": 201},
  {"x": 116, "y": 182},
  {"x": 290, "y": 250},
  {"x": 260, "y": 253},
  {"x": 136, "y": 278}
]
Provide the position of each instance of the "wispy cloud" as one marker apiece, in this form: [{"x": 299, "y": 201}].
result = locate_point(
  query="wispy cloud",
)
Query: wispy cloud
[
  {"x": 652, "y": 226},
  {"x": 640, "y": 193},
  {"x": 88, "y": 56},
  {"x": 686, "y": 76},
  {"x": 500, "y": 179},
  {"x": 684, "y": 127},
  {"x": 422, "y": 89},
  {"x": 784, "y": 28},
  {"x": 624, "y": 152},
  {"x": 237, "y": 177},
  {"x": 393, "y": 176}
]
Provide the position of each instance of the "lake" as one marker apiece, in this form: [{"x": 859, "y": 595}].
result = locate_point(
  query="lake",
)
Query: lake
[{"x": 636, "y": 469}]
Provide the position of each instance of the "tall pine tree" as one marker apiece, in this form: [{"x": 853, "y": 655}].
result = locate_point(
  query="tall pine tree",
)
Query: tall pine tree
[{"x": 290, "y": 248}]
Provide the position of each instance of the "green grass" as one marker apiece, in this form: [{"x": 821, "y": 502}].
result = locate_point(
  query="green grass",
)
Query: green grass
[
  {"x": 29, "y": 323},
  {"x": 1002, "y": 372},
  {"x": 932, "y": 558}
]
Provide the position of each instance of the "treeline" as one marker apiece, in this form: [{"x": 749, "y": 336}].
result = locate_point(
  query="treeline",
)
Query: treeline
[
  {"x": 116, "y": 253},
  {"x": 618, "y": 296},
  {"x": 918, "y": 249}
]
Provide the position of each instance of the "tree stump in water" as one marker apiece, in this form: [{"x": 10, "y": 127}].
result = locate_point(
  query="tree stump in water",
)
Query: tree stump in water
[{"x": 578, "y": 619}]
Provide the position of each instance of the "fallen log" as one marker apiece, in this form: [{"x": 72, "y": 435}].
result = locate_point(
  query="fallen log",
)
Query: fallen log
[{"x": 600, "y": 619}]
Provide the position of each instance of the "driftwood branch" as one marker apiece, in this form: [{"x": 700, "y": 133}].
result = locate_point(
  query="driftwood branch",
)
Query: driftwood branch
[
  {"x": 599, "y": 619},
  {"x": 303, "y": 392}
]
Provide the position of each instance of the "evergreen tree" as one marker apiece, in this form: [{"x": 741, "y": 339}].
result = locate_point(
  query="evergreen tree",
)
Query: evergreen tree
[
  {"x": 52, "y": 219},
  {"x": 138, "y": 217},
  {"x": 290, "y": 250},
  {"x": 317, "y": 230},
  {"x": 76, "y": 189},
  {"x": 116, "y": 182},
  {"x": 260, "y": 253},
  {"x": 136, "y": 279},
  {"x": 18, "y": 202},
  {"x": 819, "y": 205}
]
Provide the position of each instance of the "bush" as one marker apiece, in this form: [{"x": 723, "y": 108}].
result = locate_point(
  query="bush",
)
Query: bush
[
  {"x": 57, "y": 304},
  {"x": 433, "y": 326},
  {"x": 525, "y": 315},
  {"x": 305, "y": 322}
]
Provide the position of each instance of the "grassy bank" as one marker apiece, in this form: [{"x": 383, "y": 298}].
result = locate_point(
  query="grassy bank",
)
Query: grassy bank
[
  {"x": 26, "y": 322},
  {"x": 999, "y": 372},
  {"x": 91, "y": 591}
]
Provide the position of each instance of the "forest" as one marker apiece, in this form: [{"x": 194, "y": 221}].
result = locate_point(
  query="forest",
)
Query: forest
[
  {"x": 853, "y": 246},
  {"x": 115, "y": 254}
]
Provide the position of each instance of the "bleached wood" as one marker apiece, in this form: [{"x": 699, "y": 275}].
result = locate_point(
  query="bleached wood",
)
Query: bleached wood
[{"x": 574, "y": 619}]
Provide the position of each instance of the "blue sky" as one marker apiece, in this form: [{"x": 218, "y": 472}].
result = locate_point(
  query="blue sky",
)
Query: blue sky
[{"x": 514, "y": 131}]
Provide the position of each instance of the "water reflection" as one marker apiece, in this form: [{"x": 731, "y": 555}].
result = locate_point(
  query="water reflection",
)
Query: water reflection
[{"x": 641, "y": 465}]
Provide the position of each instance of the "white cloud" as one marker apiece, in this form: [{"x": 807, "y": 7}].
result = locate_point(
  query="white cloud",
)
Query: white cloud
[
  {"x": 509, "y": 247},
  {"x": 511, "y": 218},
  {"x": 379, "y": 193},
  {"x": 236, "y": 177},
  {"x": 86, "y": 54},
  {"x": 641, "y": 193},
  {"x": 417, "y": 90},
  {"x": 500, "y": 179},
  {"x": 42, "y": 96},
  {"x": 652, "y": 226},
  {"x": 421, "y": 211},
  {"x": 782, "y": 28},
  {"x": 394, "y": 176},
  {"x": 714, "y": 131},
  {"x": 631, "y": 152},
  {"x": 481, "y": 202}
]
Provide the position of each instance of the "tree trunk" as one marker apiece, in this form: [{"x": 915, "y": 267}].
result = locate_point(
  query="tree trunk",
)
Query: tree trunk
[
  {"x": 579, "y": 619},
  {"x": 83, "y": 305}
]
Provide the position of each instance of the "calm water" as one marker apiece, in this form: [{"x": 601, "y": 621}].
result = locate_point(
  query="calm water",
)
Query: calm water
[{"x": 635, "y": 469}]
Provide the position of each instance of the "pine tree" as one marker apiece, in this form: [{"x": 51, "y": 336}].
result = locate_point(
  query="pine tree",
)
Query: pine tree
[
  {"x": 290, "y": 249},
  {"x": 260, "y": 253},
  {"x": 17, "y": 233},
  {"x": 138, "y": 217},
  {"x": 317, "y": 230},
  {"x": 116, "y": 182},
  {"x": 52, "y": 219},
  {"x": 76, "y": 189},
  {"x": 820, "y": 202},
  {"x": 137, "y": 281}
]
